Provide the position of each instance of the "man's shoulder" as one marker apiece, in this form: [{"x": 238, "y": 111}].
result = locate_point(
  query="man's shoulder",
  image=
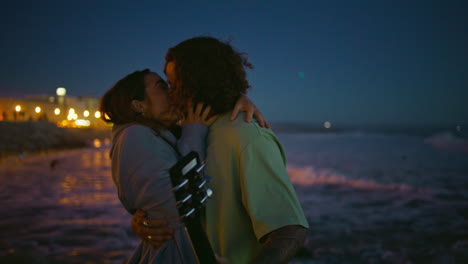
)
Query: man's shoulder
[
  {"x": 224, "y": 127},
  {"x": 238, "y": 131}
]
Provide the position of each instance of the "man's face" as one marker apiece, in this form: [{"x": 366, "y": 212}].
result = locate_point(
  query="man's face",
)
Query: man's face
[
  {"x": 171, "y": 74},
  {"x": 174, "y": 98}
]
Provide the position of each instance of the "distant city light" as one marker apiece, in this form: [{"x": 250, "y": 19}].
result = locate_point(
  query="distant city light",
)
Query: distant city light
[
  {"x": 57, "y": 111},
  {"x": 51, "y": 99},
  {"x": 86, "y": 113},
  {"x": 327, "y": 124},
  {"x": 18, "y": 108},
  {"x": 97, "y": 114},
  {"x": 97, "y": 143},
  {"x": 82, "y": 122},
  {"x": 61, "y": 91},
  {"x": 72, "y": 115},
  {"x": 38, "y": 109}
]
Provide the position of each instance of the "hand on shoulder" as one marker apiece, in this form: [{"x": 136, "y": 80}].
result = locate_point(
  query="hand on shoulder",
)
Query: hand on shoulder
[{"x": 199, "y": 114}]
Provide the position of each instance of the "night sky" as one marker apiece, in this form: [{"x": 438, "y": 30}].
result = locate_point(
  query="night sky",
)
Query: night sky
[{"x": 347, "y": 62}]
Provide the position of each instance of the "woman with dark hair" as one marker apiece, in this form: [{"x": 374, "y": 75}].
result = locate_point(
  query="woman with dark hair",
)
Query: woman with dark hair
[{"x": 144, "y": 148}]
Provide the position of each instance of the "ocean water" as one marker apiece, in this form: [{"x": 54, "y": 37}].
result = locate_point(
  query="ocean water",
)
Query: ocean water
[
  {"x": 374, "y": 198},
  {"x": 369, "y": 198}
]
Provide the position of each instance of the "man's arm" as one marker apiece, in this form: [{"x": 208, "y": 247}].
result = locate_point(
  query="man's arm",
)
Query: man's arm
[{"x": 281, "y": 245}]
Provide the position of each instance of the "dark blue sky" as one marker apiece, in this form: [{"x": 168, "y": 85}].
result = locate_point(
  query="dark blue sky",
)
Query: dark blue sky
[{"x": 353, "y": 62}]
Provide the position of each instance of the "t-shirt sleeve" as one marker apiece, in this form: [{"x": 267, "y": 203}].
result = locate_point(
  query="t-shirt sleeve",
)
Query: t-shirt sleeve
[{"x": 267, "y": 192}]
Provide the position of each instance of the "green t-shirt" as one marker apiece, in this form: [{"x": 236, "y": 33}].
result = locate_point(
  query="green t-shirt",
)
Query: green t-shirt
[{"x": 252, "y": 192}]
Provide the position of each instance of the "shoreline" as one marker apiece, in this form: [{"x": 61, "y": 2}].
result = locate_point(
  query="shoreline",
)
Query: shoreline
[{"x": 36, "y": 137}]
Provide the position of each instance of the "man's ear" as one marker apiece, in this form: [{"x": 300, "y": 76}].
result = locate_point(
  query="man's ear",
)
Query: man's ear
[{"x": 137, "y": 106}]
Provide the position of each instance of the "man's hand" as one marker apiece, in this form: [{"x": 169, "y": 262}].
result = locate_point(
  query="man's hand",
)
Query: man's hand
[
  {"x": 245, "y": 105},
  {"x": 221, "y": 260},
  {"x": 154, "y": 232},
  {"x": 281, "y": 245}
]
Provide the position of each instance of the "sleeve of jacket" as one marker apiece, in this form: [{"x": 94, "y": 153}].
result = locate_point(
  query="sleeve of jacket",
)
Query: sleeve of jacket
[
  {"x": 141, "y": 164},
  {"x": 193, "y": 138}
]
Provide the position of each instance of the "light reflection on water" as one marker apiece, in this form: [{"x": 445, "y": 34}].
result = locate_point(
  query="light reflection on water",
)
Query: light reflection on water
[
  {"x": 97, "y": 143},
  {"x": 69, "y": 212},
  {"x": 86, "y": 159},
  {"x": 309, "y": 176}
]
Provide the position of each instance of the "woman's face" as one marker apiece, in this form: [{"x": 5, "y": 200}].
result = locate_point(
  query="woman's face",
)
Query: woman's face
[{"x": 156, "y": 104}]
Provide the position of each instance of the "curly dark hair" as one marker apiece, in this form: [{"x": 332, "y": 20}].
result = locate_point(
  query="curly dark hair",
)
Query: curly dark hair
[
  {"x": 208, "y": 71},
  {"x": 116, "y": 104}
]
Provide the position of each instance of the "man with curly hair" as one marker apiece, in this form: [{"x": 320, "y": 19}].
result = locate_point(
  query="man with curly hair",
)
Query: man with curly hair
[{"x": 255, "y": 216}]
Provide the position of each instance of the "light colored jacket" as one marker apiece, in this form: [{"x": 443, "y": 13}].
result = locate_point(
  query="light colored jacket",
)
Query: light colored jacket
[{"x": 140, "y": 169}]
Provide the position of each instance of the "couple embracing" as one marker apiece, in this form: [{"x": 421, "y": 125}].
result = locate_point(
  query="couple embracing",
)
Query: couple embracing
[{"x": 254, "y": 216}]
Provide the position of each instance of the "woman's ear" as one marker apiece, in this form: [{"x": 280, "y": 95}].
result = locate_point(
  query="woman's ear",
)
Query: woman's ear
[{"x": 138, "y": 106}]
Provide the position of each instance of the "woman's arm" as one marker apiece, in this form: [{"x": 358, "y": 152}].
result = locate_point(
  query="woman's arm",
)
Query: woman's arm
[
  {"x": 140, "y": 164},
  {"x": 244, "y": 104},
  {"x": 194, "y": 130}
]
